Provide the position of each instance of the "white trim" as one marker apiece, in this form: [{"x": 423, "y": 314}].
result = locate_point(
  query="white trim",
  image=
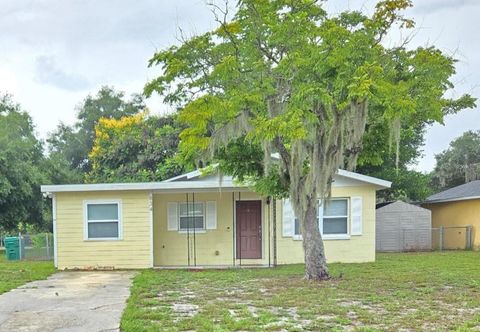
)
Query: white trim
[
  {"x": 150, "y": 217},
  {"x": 86, "y": 221},
  {"x": 327, "y": 237},
  {"x": 197, "y": 231},
  {"x": 336, "y": 237},
  {"x": 171, "y": 185},
  {"x": 298, "y": 237},
  {"x": 191, "y": 175},
  {"x": 54, "y": 219},
  {"x": 155, "y": 186},
  {"x": 365, "y": 178}
]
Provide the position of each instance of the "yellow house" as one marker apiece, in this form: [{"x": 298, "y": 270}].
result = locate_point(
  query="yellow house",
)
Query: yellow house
[
  {"x": 455, "y": 209},
  {"x": 195, "y": 221}
]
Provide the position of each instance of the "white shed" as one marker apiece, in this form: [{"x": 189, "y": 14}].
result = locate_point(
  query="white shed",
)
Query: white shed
[{"x": 403, "y": 227}]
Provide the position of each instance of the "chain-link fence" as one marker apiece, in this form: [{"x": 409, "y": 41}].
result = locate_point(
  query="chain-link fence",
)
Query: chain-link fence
[
  {"x": 32, "y": 246},
  {"x": 452, "y": 238},
  {"x": 441, "y": 238}
]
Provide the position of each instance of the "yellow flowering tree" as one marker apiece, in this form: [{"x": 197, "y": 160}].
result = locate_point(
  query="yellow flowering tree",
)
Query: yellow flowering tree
[{"x": 134, "y": 148}]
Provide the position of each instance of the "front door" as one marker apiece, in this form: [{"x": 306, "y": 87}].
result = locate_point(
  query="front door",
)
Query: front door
[{"x": 249, "y": 229}]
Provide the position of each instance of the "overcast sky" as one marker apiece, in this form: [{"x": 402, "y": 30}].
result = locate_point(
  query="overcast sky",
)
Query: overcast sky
[{"x": 53, "y": 53}]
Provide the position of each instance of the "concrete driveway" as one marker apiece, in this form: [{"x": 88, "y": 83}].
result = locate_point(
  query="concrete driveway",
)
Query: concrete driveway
[{"x": 67, "y": 301}]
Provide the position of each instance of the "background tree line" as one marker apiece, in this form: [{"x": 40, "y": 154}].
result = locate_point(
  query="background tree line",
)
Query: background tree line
[{"x": 115, "y": 139}]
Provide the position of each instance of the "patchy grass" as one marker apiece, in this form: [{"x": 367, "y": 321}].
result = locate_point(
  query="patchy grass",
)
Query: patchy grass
[
  {"x": 412, "y": 291},
  {"x": 14, "y": 274}
]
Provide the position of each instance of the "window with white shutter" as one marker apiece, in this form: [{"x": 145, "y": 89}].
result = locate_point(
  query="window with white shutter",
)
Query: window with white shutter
[
  {"x": 211, "y": 212},
  {"x": 172, "y": 211},
  {"x": 288, "y": 218},
  {"x": 356, "y": 212}
]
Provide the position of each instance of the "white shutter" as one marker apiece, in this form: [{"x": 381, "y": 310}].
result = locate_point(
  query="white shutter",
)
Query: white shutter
[
  {"x": 288, "y": 218},
  {"x": 211, "y": 217},
  {"x": 172, "y": 210},
  {"x": 320, "y": 216},
  {"x": 356, "y": 213}
]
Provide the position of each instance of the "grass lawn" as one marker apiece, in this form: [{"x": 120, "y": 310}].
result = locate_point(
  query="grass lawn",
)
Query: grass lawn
[
  {"x": 411, "y": 291},
  {"x": 14, "y": 274}
]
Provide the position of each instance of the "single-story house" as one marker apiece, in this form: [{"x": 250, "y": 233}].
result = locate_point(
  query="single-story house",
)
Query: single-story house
[
  {"x": 457, "y": 212},
  {"x": 403, "y": 227},
  {"x": 195, "y": 220}
]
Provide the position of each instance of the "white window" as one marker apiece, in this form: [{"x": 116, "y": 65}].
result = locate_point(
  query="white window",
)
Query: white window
[
  {"x": 335, "y": 217},
  {"x": 191, "y": 216},
  {"x": 103, "y": 220}
]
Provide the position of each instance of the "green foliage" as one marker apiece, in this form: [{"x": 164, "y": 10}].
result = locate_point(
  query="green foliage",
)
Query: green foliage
[
  {"x": 286, "y": 77},
  {"x": 40, "y": 240},
  {"x": 289, "y": 78},
  {"x": 378, "y": 158},
  {"x": 135, "y": 149},
  {"x": 71, "y": 144},
  {"x": 458, "y": 164},
  {"x": 20, "y": 168}
]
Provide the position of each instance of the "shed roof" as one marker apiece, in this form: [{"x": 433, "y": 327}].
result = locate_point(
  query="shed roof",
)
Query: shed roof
[
  {"x": 401, "y": 207},
  {"x": 470, "y": 190}
]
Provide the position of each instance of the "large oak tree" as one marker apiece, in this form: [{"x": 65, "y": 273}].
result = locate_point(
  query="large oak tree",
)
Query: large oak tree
[{"x": 293, "y": 80}]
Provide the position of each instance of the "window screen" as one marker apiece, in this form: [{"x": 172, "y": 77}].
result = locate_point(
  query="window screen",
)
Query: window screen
[
  {"x": 335, "y": 216},
  {"x": 103, "y": 221},
  {"x": 191, "y": 216}
]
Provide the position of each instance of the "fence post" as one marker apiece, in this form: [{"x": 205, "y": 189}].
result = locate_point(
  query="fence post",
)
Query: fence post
[
  {"x": 468, "y": 240},
  {"x": 47, "y": 245},
  {"x": 20, "y": 246},
  {"x": 441, "y": 230}
]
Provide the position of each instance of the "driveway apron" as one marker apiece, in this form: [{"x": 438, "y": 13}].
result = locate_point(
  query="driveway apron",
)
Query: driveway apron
[{"x": 67, "y": 301}]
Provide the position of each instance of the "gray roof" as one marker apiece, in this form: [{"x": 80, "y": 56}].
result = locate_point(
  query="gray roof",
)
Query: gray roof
[
  {"x": 470, "y": 190},
  {"x": 399, "y": 206}
]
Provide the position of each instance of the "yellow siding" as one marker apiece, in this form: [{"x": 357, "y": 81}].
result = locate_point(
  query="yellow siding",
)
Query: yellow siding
[
  {"x": 213, "y": 247},
  {"x": 459, "y": 213},
  {"x": 216, "y": 247},
  {"x": 360, "y": 248},
  {"x": 133, "y": 251}
]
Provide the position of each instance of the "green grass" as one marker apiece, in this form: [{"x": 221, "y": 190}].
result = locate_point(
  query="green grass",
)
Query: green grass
[
  {"x": 412, "y": 291},
  {"x": 14, "y": 274}
]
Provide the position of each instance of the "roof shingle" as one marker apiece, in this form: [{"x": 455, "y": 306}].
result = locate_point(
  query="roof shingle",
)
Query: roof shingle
[{"x": 465, "y": 191}]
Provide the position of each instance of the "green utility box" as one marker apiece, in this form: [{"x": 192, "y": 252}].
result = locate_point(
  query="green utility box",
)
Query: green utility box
[{"x": 14, "y": 248}]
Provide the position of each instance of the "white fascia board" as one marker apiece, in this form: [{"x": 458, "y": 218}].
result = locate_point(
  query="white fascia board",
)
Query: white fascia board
[
  {"x": 155, "y": 186},
  {"x": 383, "y": 184},
  {"x": 190, "y": 175}
]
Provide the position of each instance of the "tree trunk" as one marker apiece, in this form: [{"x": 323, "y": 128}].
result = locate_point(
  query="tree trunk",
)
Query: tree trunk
[{"x": 315, "y": 262}]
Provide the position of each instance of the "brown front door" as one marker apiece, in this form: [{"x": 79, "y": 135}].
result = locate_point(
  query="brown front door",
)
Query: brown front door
[{"x": 249, "y": 229}]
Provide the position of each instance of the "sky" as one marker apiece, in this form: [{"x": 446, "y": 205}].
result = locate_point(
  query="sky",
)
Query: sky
[{"x": 54, "y": 53}]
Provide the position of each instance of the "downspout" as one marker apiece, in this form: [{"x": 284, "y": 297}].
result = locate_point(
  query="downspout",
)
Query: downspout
[
  {"x": 240, "y": 236},
  {"x": 188, "y": 231},
  {"x": 274, "y": 206},
  {"x": 269, "y": 233},
  {"x": 194, "y": 232},
  {"x": 233, "y": 228},
  {"x": 54, "y": 220},
  {"x": 150, "y": 203}
]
